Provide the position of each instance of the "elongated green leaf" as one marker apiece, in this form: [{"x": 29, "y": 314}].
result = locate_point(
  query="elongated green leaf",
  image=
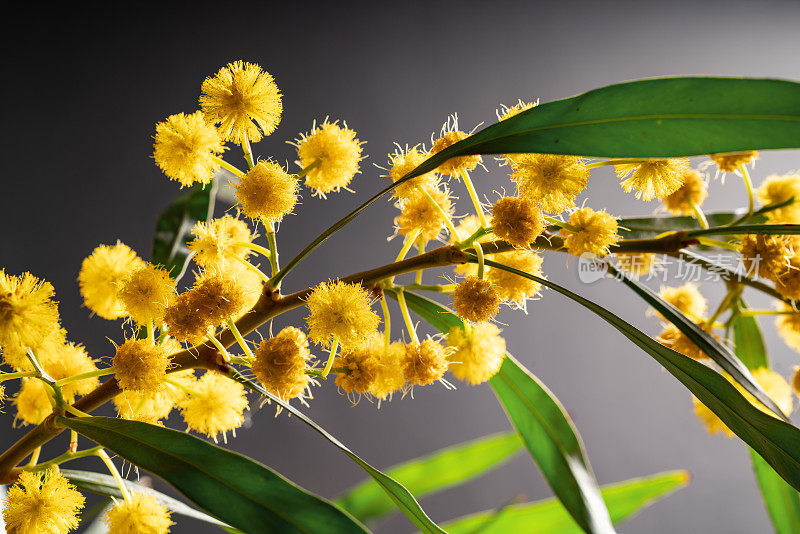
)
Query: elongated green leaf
[
  {"x": 435, "y": 472},
  {"x": 404, "y": 500},
  {"x": 549, "y": 516},
  {"x": 721, "y": 354},
  {"x": 174, "y": 226},
  {"x": 662, "y": 117},
  {"x": 780, "y": 229},
  {"x": 542, "y": 422},
  {"x": 775, "y": 440},
  {"x": 781, "y": 500},
  {"x": 106, "y": 485},
  {"x": 233, "y": 488}
]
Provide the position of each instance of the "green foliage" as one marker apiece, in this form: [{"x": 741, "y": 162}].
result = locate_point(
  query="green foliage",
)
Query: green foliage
[
  {"x": 233, "y": 488},
  {"x": 432, "y": 473}
]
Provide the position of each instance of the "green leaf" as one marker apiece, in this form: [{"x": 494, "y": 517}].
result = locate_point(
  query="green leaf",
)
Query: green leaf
[
  {"x": 542, "y": 422},
  {"x": 106, "y": 485},
  {"x": 174, "y": 227},
  {"x": 777, "y": 441},
  {"x": 781, "y": 500},
  {"x": 435, "y": 472},
  {"x": 549, "y": 516},
  {"x": 721, "y": 354},
  {"x": 233, "y": 488},
  {"x": 771, "y": 229},
  {"x": 402, "y": 498}
]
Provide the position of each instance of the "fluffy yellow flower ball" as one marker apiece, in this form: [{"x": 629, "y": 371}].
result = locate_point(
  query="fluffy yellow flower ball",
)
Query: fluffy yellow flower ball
[
  {"x": 550, "y": 180},
  {"x": 766, "y": 255},
  {"x": 687, "y": 298},
  {"x": 341, "y": 310},
  {"x": 101, "y": 275},
  {"x": 510, "y": 286},
  {"x": 359, "y": 368},
  {"x": 595, "y": 232},
  {"x": 776, "y": 388},
  {"x": 141, "y": 366},
  {"x": 218, "y": 298},
  {"x": 517, "y": 220},
  {"x": 153, "y": 406},
  {"x": 777, "y": 189},
  {"x": 454, "y": 166},
  {"x": 402, "y": 162},
  {"x": 479, "y": 352},
  {"x": 145, "y": 294},
  {"x": 216, "y": 405},
  {"x": 789, "y": 325},
  {"x": 219, "y": 238},
  {"x": 28, "y": 313},
  {"x": 333, "y": 152},
  {"x": 676, "y": 340},
  {"x": 243, "y": 100},
  {"x": 417, "y": 213},
  {"x": 69, "y": 360},
  {"x": 425, "y": 362},
  {"x": 731, "y": 162},
  {"x": 267, "y": 192},
  {"x": 280, "y": 363},
  {"x": 138, "y": 514},
  {"x": 32, "y": 401},
  {"x": 42, "y": 503},
  {"x": 185, "y": 147},
  {"x": 506, "y": 112},
  {"x": 653, "y": 178},
  {"x": 476, "y": 300},
  {"x": 693, "y": 191},
  {"x": 390, "y": 377}
]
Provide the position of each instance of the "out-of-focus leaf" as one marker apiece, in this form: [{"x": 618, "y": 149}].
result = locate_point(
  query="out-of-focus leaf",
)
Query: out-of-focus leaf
[
  {"x": 403, "y": 498},
  {"x": 777, "y": 441},
  {"x": 782, "y": 500},
  {"x": 773, "y": 229},
  {"x": 435, "y": 472},
  {"x": 233, "y": 488},
  {"x": 544, "y": 425},
  {"x": 174, "y": 226},
  {"x": 549, "y": 516}
]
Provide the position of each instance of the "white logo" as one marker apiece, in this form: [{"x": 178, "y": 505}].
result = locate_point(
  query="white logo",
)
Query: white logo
[{"x": 591, "y": 268}]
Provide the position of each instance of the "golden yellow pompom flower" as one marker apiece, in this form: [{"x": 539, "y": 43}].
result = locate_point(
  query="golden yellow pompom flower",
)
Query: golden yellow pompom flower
[
  {"x": 184, "y": 320},
  {"x": 243, "y": 100},
  {"x": 789, "y": 325},
  {"x": 787, "y": 278},
  {"x": 517, "y": 220},
  {"x": 766, "y": 255},
  {"x": 510, "y": 286},
  {"x": 687, "y": 298},
  {"x": 331, "y": 153},
  {"x": 69, "y": 360},
  {"x": 476, "y": 300},
  {"x": 145, "y": 294},
  {"x": 693, "y": 191},
  {"x": 776, "y": 388},
  {"x": 676, "y": 340},
  {"x": 28, "y": 313},
  {"x": 479, "y": 352},
  {"x": 390, "y": 376},
  {"x": 595, "y": 232},
  {"x": 402, "y": 162},
  {"x": 359, "y": 368},
  {"x": 732, "y": 161},
  {"x": 550, "y": 180},
  {"x": 152, "y": 406},
  {"x": 32, "y": 401},
  {"x": 42, "y": 503},
  {"x": 185, "y": 147},
  {"x": 417, "y": 213},
  {"x": 777, "y": 189},
  {"x": 506, "y": 112},
  {"x": 280, "y": 363},
  {"x": 219, "y": 238},
  {"x": 653, "y": 178},
  {"x": 341, "y": 310},
  {"x": 454, "y": 166},
  {"x": 16, "y": 355},
  {"x": 636, "y": 263},
  {"x": 267, "y": 192},
  {"x": 101, "y": 275},
  {"x": 218, "y": 298},
  {"x": 138, "y": 514},
  {"x": 141, "y": 366},
  {"x": 215, "y": 407},
  {"x": 425, "y": 362}
]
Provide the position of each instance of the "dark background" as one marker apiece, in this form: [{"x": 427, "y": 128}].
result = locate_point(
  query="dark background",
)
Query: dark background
[{"x": 84, "y": 86}]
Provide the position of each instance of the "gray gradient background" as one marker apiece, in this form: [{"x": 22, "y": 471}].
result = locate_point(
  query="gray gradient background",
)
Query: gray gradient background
[{"x": 86, "y": 86}]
